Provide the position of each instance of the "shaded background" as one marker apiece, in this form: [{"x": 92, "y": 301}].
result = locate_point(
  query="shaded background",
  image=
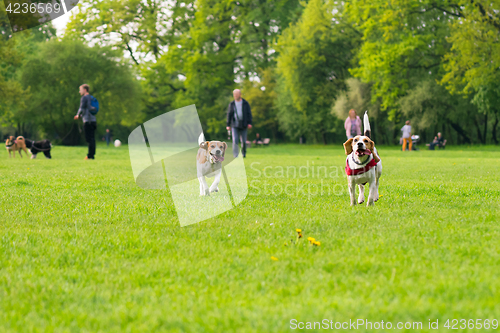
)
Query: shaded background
[{"x": 301, "y": 65}]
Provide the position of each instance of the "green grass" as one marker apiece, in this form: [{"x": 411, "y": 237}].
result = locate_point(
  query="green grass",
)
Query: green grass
[{"x": 82, "y": 248}]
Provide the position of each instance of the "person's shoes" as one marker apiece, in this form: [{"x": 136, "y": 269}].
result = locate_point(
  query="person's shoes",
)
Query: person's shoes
[{"x": 87, "y": 158}]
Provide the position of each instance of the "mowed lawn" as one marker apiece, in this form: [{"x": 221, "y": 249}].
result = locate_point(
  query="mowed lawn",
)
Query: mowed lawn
[{"x": 82, "y": 248}]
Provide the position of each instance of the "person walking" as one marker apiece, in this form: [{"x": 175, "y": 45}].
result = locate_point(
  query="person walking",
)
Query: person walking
[
  {"x": 89, "y": 120},
  {"x": 406, "y": 129},
  {"x": 239, "y": 119},
  {"x": 352, "y": 125}
]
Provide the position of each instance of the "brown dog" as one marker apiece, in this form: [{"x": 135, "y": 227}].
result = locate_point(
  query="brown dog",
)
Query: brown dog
[{"x": 13, "y": 145}]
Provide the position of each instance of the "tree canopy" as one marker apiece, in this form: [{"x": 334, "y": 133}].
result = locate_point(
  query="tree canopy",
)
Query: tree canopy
[{"x": 301, "y": 64}]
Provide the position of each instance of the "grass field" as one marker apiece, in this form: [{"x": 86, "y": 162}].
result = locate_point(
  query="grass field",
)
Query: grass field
[{"x": 82, "y": 248}]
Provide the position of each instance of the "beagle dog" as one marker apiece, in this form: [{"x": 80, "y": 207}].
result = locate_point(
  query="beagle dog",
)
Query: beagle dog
[
  {"x": 363, "y": 165},
  {"x": 209, "y": 164},
  {"x": 13, "y": 145}
]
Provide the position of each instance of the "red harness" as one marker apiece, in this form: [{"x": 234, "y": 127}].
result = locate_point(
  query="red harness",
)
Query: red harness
[{"x": 353, "y": 172}]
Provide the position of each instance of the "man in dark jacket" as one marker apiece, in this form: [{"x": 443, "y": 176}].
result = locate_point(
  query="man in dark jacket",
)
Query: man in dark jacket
[
  {"x": 89, "y": 120},
  {"x": 239, "y": 118}
]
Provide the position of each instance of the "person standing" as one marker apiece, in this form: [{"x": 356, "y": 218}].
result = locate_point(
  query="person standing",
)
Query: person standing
[
  {"x": 406, "y": 129},
  {"x": 89, "y": 120},
  {"x": 107, "y": 136},
  {"x": 239, "y": 119},
  {"x": 352, "y": 125}
]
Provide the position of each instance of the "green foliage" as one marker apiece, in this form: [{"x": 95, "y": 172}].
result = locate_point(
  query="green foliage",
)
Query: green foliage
[
  {"x": 357, "y": 97},
  {"x": 11, "y": 92},
  {"x": 144, "y": 28},
  {"x": 262, "y": 97},
  {"x": 429, "y": 105},
  {"x": 473, "y": 61},
  {"x": 54, "y": 74},
  {"x": 314, "y": 57},
  {"x": 305, "y": 54},
  {"x": 404, "y": 42},
  {"x": 258, "y": 24}
]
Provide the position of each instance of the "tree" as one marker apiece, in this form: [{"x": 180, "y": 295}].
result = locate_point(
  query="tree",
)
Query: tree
[
  {"x": 11, "y": 92},
  {"x": 473, "y": 61},
  {"x": 143, "y": 29},
  {"x": 314, "y": 57},
  {"x": 262, "y": 96},
  {"x": 54, "y": 74},
  {"x": 404, "y": 42},
  {"x": 429, "y": 105}
]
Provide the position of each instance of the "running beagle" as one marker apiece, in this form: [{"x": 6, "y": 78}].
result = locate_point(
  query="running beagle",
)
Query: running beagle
[
  {"x": 209, "y": 164},
  {"x": 363, "y": 165}
]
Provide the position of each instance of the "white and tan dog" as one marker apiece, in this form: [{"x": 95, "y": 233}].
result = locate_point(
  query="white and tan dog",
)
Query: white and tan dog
[
  {"x": 363, "y": 165},
  {"x": 209, "y": 163}
]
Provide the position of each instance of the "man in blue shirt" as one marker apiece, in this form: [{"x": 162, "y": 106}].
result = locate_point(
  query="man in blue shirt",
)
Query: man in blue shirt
[{"x": 89, "y": 120}]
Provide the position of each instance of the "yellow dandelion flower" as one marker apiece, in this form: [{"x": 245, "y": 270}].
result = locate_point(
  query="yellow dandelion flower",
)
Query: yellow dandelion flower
[
  {"x": 310, "y": 239},
  {"x": 274, "y": 258},
  {"x": 317, "y": 243},
  {"x": 298, "y": 230},
  {"x": 300, "y": 235}
]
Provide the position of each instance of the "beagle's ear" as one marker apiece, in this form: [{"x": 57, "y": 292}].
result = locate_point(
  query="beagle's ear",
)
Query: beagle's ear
[
  {"x": 348, "y": 146},
  {"x": 204, "y": 145},
  {"x": 372, "y": 148},
  {"x": 371, "y": 144},
  {"x": 225, "y": 147}
]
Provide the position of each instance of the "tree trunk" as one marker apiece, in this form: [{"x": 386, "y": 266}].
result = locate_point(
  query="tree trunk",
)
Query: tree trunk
[
  {"x": 478, "y": 129},
  {"x": 460, "y": 131}
]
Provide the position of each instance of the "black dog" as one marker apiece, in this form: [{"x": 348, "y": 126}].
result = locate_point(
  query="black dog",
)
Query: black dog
[{"x": 39, "y": 146}]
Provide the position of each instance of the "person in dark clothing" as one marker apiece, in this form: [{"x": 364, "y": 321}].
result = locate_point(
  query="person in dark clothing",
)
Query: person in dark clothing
[
  {"x": 239, "y": 119},
  {"x": 258, "y": 139},
  {"x": 107, "y": 136},
  {"x": 89, "y": 120}
]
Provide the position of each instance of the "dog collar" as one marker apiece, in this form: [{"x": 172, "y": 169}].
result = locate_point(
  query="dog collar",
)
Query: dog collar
[{"x": 353, "y": 172}]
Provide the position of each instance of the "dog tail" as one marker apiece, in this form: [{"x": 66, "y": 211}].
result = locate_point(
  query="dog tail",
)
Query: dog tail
[
  {"x": 201, "y": 138},
  {"x": 366, "y": 125}
]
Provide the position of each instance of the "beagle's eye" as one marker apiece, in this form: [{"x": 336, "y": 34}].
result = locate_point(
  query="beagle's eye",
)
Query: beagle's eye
[
  {"x": 365, "y": 140},
  {"x": 212, "y": 146},
  {"x": 355, "y": 140}
]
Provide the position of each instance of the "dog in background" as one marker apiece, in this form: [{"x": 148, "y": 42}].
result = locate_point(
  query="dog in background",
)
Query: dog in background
[
  {"x": 363, "y": 165},
  {"x": 36, "y": 147},
  {"x": 15, "y": 144},
  {"x": 209, "y": 163}
]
